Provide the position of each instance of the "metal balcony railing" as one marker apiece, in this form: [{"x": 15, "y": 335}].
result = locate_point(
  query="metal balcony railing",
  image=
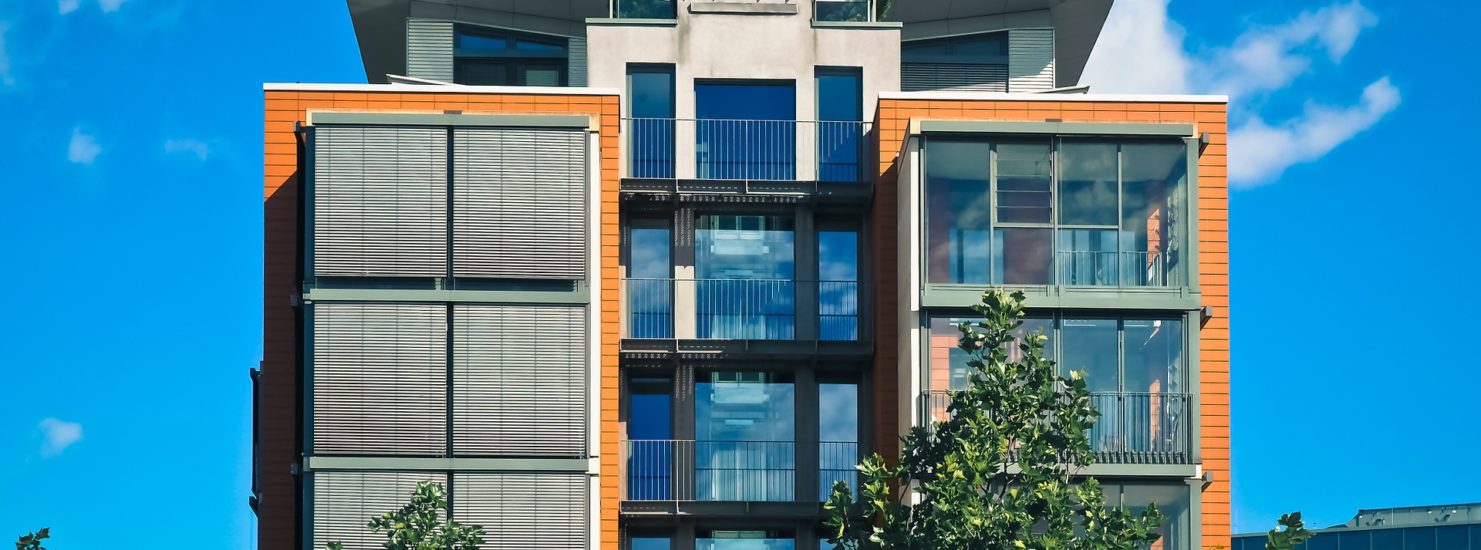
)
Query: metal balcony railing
[
  {"x": 732, "y": 471},
  {"x": 643, "y": 9},
  {"x": 846, "y": 11},
  {"x": 723, "y": 149},
  {"x": 1100, "y": 268},
  {"x": 1133, "y": 428},
  {"x": 738, "y": 309}
]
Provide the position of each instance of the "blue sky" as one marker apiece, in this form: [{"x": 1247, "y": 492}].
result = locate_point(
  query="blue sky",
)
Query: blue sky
[{"x": 133, "y": 177}]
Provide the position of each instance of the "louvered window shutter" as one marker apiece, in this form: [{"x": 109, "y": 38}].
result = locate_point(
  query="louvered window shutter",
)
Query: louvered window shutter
[
  {"x": 379, "y": 379},
  {"x": 429, "y": 49},
  {"x": 917, "y": 77},
  {"x": 524, "y": 511},
  {"x": 345, "y": 501},
  {"x": 1030, "y": 60},
  {"x": 519, "y": 381},
  {"x": 519, "y": 199},
  {"x": 380, "y": 201}
]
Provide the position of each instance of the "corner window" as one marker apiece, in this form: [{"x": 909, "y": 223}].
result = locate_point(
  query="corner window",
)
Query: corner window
[{"x": 494, "y": 57}]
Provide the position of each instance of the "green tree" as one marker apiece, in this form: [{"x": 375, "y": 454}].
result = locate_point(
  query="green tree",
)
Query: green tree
[
  {"x": 1017, "y": 410},
  {"x": 32, "y": 541},
  {"x": 1289, "y": 531},
  {"x": 419, "y": 524}
]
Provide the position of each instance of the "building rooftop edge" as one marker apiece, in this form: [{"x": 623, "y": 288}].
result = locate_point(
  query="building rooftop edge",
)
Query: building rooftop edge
[
  {"x": 1002, "y": 96},
  {"x": 434, "y": 89}
]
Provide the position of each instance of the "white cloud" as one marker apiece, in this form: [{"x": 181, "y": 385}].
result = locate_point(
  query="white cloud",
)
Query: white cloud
[
  {"x": 1265, "y": 151},
  {"x": 193, "y": 146},
  {"x": 58, "y": 436},
  {"x": 1141, "y": 50},
  {"x": 83, "y": 149},
  {"x": 110, "y": 6},
  {"x": 65, "y": 7},
  {"x": 6, "y": 78}
]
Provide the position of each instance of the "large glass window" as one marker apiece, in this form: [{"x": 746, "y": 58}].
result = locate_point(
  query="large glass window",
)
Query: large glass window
[
  {"x": 744, "y": 426},
  {"x": 1172, "y": 501},
  {"x": 650, "y": 291},
  {"x": 651, "y": 128},
  {"x": 744, "y": 266},
  {"x": 493, "y": 57},
  {"x": 651, "y": 451},
  {"x": 744, "y": 540},
  {"x": 838, "y": 436},
  {"x": 1000, "y": 213},
  {"x": 838, "y": 283},
  {"x": 746, "y": 130},
  {"x": 840, "y": 130}
]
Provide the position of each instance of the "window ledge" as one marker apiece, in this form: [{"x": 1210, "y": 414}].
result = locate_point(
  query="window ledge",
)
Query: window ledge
[
  {"x": 744, "y": 8},
  {"x": 631, "y": 22}
]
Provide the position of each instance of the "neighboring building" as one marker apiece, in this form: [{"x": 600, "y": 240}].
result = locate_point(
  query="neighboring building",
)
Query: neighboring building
[
  {"x": 1443, "y": 527},
  {"x": 649, "y": 274}
]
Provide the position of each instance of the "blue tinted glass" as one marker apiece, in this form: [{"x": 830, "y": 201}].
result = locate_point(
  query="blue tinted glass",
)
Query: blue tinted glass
[
  {"x": 476, "y": 44},
  {"x": 840, "y": 95},
  {"x": 840, "y": 136},
  {"x": 958, "y": 206},
  {"x": 745, "y": 287},
  {"x": 652, "y": 92},
  {"x": 1419, "y": 538},
  {"x": 651, "y": 130},
  {"x": 649, "y": 288},
  {"x": 743, "y": 429},
  {"x": 1450, "y": 537},
  {"x": 650, "y": 454},
  {"x": 745, "y": 131},
  {"x": 824, "y": 545},
  {"x": 1386, "y": 539},
  {"x": 838, "y": 285},
  {"x": 536, "y": 46},
  {"x": 838, "y": 436},
  {"x": 1355, "y": 540},
  {"x": 1322, "y": 541},
  {"x": 650, "y": 543},
  {"x": 649, "y": 408},
  {"x": 743, "y": 540},
  {"x": 1089, "y": 346}
]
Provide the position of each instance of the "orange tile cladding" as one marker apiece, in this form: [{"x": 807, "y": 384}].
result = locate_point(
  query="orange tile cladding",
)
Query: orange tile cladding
[
  {"x": 277, "y": 421},
  {"x": 894, "y": 117}
]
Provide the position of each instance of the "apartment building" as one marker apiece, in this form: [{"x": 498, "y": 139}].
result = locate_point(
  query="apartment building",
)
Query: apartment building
[{"x": 653, "y": 274}]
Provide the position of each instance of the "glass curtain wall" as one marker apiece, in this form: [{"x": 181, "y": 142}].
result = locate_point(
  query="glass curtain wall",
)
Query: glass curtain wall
[
  {"x": 744, "y": 426},
  {"x": 744, "y": 270}
]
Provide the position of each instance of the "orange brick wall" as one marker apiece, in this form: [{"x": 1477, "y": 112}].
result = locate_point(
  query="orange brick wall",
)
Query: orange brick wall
[
  {"x": 277, "y": 420},
  {"x": 893, "y": 121}
]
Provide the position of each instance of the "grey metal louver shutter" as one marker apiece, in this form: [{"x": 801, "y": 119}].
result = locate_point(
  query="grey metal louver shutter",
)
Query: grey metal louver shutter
[
  {"x": 380, "y": 201},
  {"x": 519, "y": 381},
  {"x": 918, "y": 77},
  {"x": 519, "y": 203},
  {"x": 576, "y": 67},
  {"x": 429, "y": 49},
  {"x": 379, "y": 379},
  {"x": 525, "y": 511},
  {"x": 345, "y": 501},
  {"x": 1030, "y": 60}
]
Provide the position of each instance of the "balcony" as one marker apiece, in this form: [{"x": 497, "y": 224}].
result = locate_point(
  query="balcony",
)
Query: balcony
[
  {"x": 752, "y": 315},
  {"x": 1133, "y": 428},
  {"x": 1124, "y": 269},
  {"x": 747, "y": 150},
  {"x": 669, "y": 470},
  {"x": 843, "y": 11}
]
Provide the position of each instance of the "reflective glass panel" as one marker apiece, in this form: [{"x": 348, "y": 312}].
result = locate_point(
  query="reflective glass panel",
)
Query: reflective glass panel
[
  {"x": 958, "y": 210},
  {"x": 744, "y": 427}
]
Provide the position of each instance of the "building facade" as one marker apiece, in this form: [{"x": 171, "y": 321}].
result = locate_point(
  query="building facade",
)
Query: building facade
[
  {"x": 1440, "y": 527},
  {"x": 654, "y": 274}
]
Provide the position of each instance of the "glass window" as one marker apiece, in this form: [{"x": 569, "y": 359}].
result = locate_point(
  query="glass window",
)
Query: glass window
[
  {"x": 745, "y": 268},
  {"x": 1355, "y": 540},
  {"x": 838, "y": 436},
  {"x": 1386, "y": 539},
  {"x": 1154, "y": 355},
  {"x": 649, "y": 286},
  {"x": 745, "y": 130},
  {"x": 1087, "y": 184},
  {"x": 958, "y": 207},
  {"x": 1020, "y": 255},
  {"x": 1322, "y": 541},
  {"x": 744, "y": 540},
  {"x": 650, "y": 543},
  {"x": 744, "y": 428},
  {"x": 1090, "y": 348},
  {"x": 650, "y": 452},
  {"x": 1451, "y": 537},
  {"x": 1024, "y": 180},
  {"x": 988, "y": 48},
  {"x": 651, "y": 128},
  {"x": 1153, "y": 175},
  {"x": 838, "y": 285},
  {"x": 948, "y": 369},
  {"x": 840, "y": 135},
  {"x": 1419, "y": 538},
  {"x": 1172, "y": 500},
  {"x": 494, "y": 57}
]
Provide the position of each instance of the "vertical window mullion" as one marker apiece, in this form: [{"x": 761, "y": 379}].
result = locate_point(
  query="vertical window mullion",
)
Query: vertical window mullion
[{"x": 992, "y": 201}]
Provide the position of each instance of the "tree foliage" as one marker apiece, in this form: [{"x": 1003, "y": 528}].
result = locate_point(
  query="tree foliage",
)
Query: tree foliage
[
  {"x": 419, "y": 524},
  {"x": 1016, "y": 411},
  {"x": 1288, "y": 532},
  {"x": 32, "y": 541}
]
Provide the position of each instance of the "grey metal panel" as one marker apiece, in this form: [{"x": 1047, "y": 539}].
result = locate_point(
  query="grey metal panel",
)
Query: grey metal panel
[
  {"x": 344, "y": 502},
  {"x": 525, "y": 511},
  {"x": 519, "y": 203},
  {"x": 576, "y": 66},
  {"x": 1030, "y": 60},
  {"x": 519, "y": 381},
  {"x": 379, "y": 379},
  {"x": 429, "y": 49},
  {"x": 380, "y": 201},
  {"x": 919, "y": 77}
]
